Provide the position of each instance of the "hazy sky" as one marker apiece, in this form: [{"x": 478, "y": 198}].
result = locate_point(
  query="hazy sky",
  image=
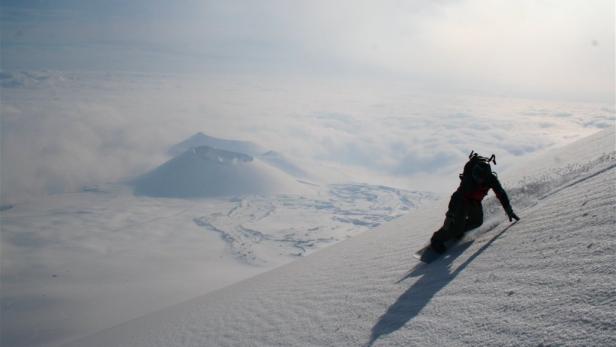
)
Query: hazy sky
[
  {"x": 398, "y": 89},
  {"x": 562, "y": 49}
]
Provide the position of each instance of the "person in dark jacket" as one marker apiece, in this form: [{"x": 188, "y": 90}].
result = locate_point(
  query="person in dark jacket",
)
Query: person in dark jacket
[{"x": 465, "y": 211}]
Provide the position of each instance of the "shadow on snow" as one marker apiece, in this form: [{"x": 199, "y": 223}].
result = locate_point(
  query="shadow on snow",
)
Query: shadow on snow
[{"x": 434, "y": 277}]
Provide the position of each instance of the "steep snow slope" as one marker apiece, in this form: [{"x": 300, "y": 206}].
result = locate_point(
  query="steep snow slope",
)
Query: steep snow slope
[{"x": 548, "y": 279}]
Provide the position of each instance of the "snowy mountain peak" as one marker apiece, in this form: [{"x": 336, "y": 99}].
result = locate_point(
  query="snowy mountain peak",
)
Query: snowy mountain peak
[
  {"x": 220, "y": 156},
  {"x": 204, "y": 171},
  {"x": 201, "y": 139}
]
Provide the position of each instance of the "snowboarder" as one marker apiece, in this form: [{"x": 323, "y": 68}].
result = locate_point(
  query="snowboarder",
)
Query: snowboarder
[{"x": 465, "y": 211}]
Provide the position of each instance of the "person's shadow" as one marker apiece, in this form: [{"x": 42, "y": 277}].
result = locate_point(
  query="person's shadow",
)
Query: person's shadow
[{"x": 435, "y": 276}]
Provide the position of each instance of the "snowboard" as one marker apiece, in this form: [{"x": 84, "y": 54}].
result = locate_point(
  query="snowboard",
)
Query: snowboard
[{"x": 427, "y": 255}]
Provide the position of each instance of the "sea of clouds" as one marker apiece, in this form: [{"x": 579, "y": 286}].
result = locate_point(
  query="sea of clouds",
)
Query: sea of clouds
[
  {"x": 388, "y": 92},
  {"x": 65, "y": 130}
]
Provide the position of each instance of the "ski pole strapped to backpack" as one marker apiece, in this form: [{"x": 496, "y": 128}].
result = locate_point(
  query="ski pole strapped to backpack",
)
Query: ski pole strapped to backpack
[
  {"x": 474, "y": 159},
  {"x": 476, "y": 156}
]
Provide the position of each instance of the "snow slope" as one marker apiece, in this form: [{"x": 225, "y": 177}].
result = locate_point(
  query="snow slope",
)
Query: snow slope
[{"x": 546, "y": 280}]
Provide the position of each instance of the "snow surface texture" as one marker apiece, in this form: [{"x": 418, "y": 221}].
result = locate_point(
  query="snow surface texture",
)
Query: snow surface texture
[{"x": 546, "y": 280}]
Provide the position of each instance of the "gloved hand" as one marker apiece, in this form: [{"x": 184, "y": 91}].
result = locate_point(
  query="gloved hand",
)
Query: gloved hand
[{"x": 512, "y": 216}]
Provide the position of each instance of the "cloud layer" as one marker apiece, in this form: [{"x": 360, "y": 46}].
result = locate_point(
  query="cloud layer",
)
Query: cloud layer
[{"x": 61, "y": 131}]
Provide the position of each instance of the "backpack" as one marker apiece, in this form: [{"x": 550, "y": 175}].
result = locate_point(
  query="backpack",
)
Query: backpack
[{"x": 475, "y": 160}]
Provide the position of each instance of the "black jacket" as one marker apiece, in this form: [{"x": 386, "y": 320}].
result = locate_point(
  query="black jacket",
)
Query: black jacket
[{"x": 475, "y": 191}]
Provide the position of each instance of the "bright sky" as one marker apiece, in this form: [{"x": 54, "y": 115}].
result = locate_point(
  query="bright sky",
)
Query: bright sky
[
  {"x": 95, "y": 91},
  {"x": 551, "y": 48}
]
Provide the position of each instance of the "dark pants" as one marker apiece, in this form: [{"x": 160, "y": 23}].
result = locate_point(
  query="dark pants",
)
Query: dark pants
[{"x": 462, "y": 215}]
